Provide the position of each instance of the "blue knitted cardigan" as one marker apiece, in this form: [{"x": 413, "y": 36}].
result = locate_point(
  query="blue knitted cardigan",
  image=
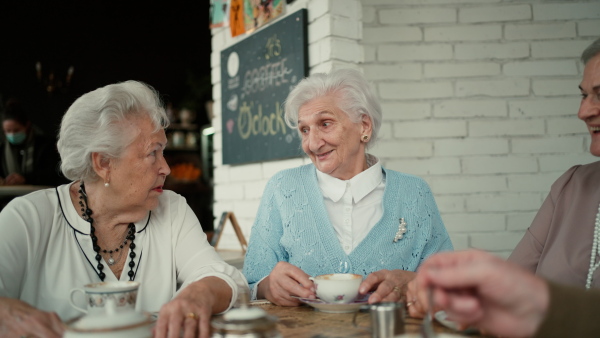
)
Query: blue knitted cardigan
[{"x": 292, "y": 225}]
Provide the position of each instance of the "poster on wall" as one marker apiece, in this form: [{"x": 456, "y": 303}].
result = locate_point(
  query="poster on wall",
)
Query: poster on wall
[
  {"x": 219, "y": 13},
  {"x": 236, "y": 17},
  {"x": 257, "y": 74},
  {"x": 259, "y": 12}
]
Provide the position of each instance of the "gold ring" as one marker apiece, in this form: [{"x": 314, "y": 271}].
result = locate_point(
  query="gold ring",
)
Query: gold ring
[
  {"x": 192, "y": 315},
  {"x": 409, "y": 304},
  {"x": 397, "y": 290}
]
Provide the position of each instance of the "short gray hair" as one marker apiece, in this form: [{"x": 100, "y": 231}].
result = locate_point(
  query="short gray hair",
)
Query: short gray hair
[
  {"x": 591, "y": 51},
  {"x": 356, "y": 95},
  {"x": 94, "y": 124}
]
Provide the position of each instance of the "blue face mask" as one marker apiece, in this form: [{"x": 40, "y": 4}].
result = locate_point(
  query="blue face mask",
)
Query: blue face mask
[{"x": 16, "y": 138}]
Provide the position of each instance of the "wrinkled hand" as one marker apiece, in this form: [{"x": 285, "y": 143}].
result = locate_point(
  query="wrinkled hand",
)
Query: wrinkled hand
[
  {"x": 188, "y": 314},
  {"x": 389, "y": 285},
  {"x": 285, "y": 281},
  {"x": 416, "y": 300},
  {"x": 19, "y": 319},
  {"x": 14, "y": 179}
]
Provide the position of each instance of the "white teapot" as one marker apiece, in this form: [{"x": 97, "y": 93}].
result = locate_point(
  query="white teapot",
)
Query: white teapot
[{"x": 111, "y": 323}]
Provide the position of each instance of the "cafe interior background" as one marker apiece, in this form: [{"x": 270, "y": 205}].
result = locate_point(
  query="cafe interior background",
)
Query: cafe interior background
[{"x": 479, "y": 96}]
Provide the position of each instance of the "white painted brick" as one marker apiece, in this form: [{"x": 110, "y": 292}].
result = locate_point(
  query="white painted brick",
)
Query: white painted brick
[
  {"x": 221, "y": 175},
  {"x": 564, "y": 162},
  {"x": 462, "y": 108},
  {"x": 254, "y": 190},
  {"x": 386, "y": 34},
  {"x": 413, "y": 90},
  {"x": 369, "y": 53},
  {"x": 506, "y": 127},
  {"x": 351, "y": 9},
  {"x": 499, "y": 165},
  {"x": 559, "y": 49},
  {"x": 497, "y": 241},
  {"x": 217, "y": 157},
  {"x": 346, "y": 50},
  {"x": 215, "y": 75},
  {"x": 320, "y": 28},
  {"x": 315, "y": 9},
  {"x": 245, "y": 172},
  {"x": 246, "y": 208},
  {"x": 546, "y": 145},
  {"x": 555, "y": 87},
  {"x": 369, "y": 14},
  {"x": 215, "y": 61},
  {"x": 471, "y": 146},
  {"x": 519, "y": 221},
  {"x": 423, "y": 15},
  {"x": 319, "y": 51},
  {"x": 216, "y": 92},
  {"x": 540, "y": 31},
  {"x": 544, "y": 107},
  {"x": 494, "y": 13},
  {"x": 430, "y": 129},
  {"x": 395, "y": 111},
  {"x": 502, "y": 202},
  {"x": 385, "y": 132},
  {"x": 492, "y": 87},
  {"x": 567, "y": 125},
  {"x": 229, "y": 192},
  {"x": 405, "y": 71},
  {"x": 450, "y": 204},
  {"x": 463, "y": 33},
  {"x": 272, "y": 167},
  {"x": 441, "y": 70},
  {"x": 428, "y": 166},
  {"x": 473, "y": 223},
  {"x": 588, "y": 28},
  {"x": 394, "y": 149},
  {"x": 476, "y": 51},
  {"x": 346, "y": 27},
  {"x": 459, "y": 241},
  {"x": 566, "y": 11},
  {"x": 467, "y": 184},
  {"x": 544, "y": 68},
  {"x": 429, "y": 2},
  {"x": 414, "y": 52},
  {"x": 538, "y": 182}
]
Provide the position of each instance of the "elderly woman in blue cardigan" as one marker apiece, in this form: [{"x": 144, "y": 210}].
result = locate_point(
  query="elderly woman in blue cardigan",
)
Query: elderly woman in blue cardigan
[{"x": 344, "y": 212}]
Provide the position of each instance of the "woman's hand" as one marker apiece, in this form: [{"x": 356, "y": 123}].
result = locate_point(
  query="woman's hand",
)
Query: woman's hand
[
  {"x": 285, "y": 281},
  {"x": 14, "y": 179},
  {"x": 19, "y": 319},
  {"x": 389, "y": 285},
  {"x": 188, "y": 314},
  {"x": 416, "y": 300}
]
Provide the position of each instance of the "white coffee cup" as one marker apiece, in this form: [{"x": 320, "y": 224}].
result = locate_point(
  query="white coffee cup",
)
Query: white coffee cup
[
  {"x": 337, "y": 288},
  {"x": 122, "y": 293}
]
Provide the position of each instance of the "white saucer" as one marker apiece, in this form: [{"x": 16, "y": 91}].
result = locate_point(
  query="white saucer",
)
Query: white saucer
[{"x": 334, "y": 307}]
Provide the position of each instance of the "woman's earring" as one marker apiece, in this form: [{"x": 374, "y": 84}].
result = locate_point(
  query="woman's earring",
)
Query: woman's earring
[
  {"x": 365, "y": 138},
  {"x": 106, "y": 184}
]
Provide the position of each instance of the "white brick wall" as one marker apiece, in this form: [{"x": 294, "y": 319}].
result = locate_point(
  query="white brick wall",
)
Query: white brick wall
[{"x": 479, "y": 98}]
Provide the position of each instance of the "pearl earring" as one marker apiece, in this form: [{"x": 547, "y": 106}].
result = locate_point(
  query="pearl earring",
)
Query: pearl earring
[{"x": 106, "y": 184}]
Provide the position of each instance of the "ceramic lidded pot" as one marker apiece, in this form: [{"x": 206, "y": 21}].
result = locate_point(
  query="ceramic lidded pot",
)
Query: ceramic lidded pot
[{"x": 246, "y": 322}]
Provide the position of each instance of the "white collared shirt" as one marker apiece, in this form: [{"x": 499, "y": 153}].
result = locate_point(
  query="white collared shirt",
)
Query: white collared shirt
[{"x": 356, "y": 205}]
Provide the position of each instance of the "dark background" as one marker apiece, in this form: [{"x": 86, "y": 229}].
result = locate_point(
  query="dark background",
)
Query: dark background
[{"x": 165, "y": 44}]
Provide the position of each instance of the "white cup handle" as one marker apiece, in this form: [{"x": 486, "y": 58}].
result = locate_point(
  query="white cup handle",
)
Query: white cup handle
[{"x": 73, "y": 303}]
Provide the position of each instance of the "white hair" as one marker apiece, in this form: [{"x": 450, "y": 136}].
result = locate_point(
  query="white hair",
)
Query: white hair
[
  {"x": 355, "y": 97},
  {"x": 94, "y": 124}
]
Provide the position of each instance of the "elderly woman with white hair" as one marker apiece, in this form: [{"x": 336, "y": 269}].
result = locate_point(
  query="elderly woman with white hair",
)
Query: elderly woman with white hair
[
  {"x": 113, "y": 222},
  {"x": 345, "y": 212}
]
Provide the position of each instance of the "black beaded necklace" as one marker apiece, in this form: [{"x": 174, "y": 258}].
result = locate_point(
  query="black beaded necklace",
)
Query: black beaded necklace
[{"x": 86, "y": 212}]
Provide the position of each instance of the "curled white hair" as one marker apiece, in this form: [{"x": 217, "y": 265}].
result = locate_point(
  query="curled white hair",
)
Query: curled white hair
[
  {"x": 94, "y": 123},
  {"x": 355, "y": 94}
]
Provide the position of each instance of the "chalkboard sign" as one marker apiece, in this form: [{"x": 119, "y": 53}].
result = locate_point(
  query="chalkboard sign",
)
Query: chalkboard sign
[{"x": 257, "y": 74}]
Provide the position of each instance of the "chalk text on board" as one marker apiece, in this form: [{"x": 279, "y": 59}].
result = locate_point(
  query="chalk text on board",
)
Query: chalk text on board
[{"x": 250, "y": 123}]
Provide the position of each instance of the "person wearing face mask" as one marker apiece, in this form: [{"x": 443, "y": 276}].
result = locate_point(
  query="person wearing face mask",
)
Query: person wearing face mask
[{"x": 26, "y": 155}]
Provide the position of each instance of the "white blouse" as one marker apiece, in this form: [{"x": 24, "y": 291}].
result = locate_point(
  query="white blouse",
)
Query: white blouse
[
  {"x": 46, "y": 251},
  {"x": 355, "y": 205}
]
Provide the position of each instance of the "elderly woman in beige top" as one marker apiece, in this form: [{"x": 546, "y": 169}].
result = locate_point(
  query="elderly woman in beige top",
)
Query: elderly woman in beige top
[{"x": 562, "y": 242}]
